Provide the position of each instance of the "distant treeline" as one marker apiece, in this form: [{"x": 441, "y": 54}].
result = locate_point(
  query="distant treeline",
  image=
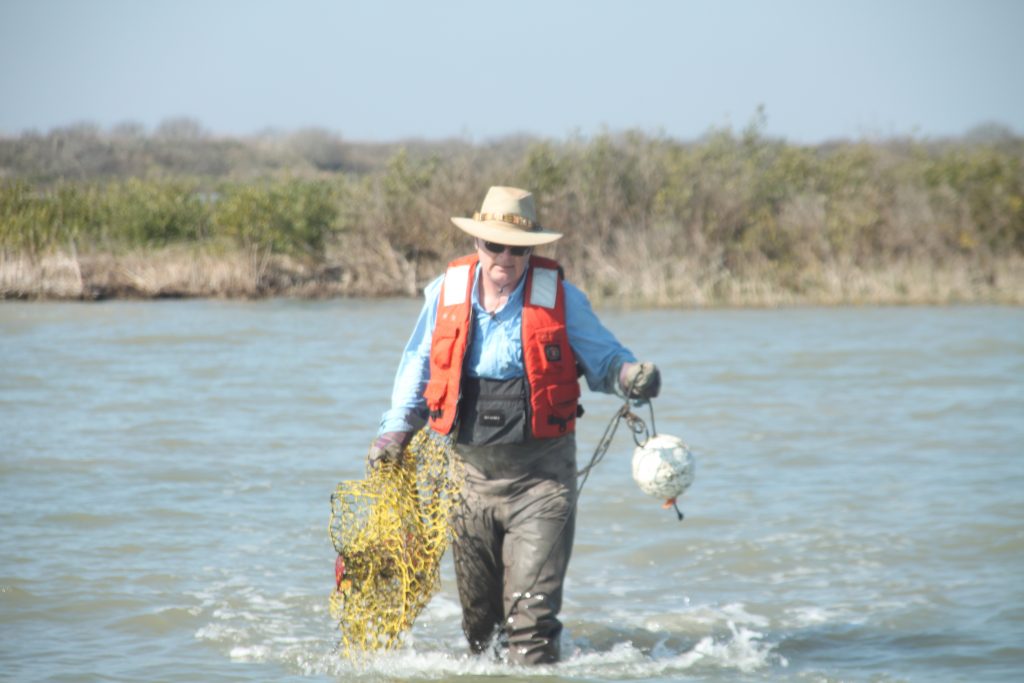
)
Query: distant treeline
[{"x": 730, "y": 218}]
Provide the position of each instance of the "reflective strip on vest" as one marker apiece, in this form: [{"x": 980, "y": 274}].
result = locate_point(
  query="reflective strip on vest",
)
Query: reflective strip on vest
[
  {"x": 456, "y": 283},
  {"x": 544, "y": 291}
]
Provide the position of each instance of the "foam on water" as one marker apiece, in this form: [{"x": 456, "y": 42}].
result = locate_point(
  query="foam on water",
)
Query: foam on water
[
  {"x": 295, "y": 632},
  {"x": 741, "y": 650}
]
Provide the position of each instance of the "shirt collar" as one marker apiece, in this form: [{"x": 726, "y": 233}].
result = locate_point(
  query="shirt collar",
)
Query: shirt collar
[{"x": 514, "y": 299}]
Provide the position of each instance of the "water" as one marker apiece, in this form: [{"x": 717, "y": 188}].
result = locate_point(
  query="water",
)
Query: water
[{"x": 165, "y": 471}]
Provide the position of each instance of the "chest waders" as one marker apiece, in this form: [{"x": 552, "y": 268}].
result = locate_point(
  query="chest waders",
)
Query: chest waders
[{"x": 514, "y": 529}]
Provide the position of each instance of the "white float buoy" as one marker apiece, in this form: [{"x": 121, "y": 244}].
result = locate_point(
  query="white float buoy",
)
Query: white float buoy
[{"x": 664, "y": 467}]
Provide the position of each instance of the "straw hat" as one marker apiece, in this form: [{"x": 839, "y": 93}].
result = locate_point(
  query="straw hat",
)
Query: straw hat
[{"x": 507, "y": 216}]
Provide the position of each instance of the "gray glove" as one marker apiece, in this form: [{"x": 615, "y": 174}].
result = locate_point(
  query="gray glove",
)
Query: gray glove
[
  {"x": 640, "y": 380},
  {"x": 387, "y": 448}
]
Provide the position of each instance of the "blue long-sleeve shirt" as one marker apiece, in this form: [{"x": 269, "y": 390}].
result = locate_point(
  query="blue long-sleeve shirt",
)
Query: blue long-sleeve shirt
[{"x": 496, "y": 350}]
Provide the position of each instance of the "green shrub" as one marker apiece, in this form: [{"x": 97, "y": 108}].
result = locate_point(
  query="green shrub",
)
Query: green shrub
[
  {"x": 292, "y": 217},
  {"x": 35, "y": 221},
  {"x": 155, "y": 213}
]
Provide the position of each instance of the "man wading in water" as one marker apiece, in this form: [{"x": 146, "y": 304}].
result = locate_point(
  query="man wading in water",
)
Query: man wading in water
[{"x": 494, "y": 360}]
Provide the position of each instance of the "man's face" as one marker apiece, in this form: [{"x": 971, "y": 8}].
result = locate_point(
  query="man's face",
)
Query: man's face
[{"x": 502, "y": 268}]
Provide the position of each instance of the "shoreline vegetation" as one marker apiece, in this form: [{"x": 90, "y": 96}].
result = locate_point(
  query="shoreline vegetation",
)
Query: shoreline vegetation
[{"x": 729, "y": 219}]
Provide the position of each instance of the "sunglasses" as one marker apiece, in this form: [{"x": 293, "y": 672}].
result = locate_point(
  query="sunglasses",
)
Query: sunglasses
[{"x": 496, "y": 248}]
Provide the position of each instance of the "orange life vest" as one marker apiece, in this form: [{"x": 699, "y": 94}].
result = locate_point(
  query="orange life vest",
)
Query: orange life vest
[{"x": 549, "y": 362}]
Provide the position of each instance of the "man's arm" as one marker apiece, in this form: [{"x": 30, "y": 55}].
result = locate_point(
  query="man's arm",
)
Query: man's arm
[
  {"x": 597, "y": 350},
  {"x": 408, "y": 411}
]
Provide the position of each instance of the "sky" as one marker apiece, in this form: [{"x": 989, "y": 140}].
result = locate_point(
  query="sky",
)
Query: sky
[{"x": 384, "y": 70}]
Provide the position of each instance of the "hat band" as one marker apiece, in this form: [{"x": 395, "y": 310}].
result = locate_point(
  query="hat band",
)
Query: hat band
[{"x": 513, "y": 218}]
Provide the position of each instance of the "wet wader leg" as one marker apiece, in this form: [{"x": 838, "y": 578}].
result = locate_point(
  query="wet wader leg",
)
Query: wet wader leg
[
  {"x": 478, "y": 570},
  {"x": 537, "y": 548},
  {"x": 536, "y": 558}
]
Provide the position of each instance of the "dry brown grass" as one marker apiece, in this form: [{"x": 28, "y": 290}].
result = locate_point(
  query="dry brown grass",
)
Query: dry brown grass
[
  {"x": 698, "y": 285},
  {"x": 167, "y": 273},
  {"x": 361, "y": 269}
]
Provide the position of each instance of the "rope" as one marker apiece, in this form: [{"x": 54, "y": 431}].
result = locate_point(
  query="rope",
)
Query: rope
[
  {"x": 636, "y": 427},
  {"x": 635, "y": 424}
]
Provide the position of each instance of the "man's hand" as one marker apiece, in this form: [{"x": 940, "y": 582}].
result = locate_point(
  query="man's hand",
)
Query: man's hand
[
  {"x": 640, "y": 380},
  {"x": 387, "y": 448}
]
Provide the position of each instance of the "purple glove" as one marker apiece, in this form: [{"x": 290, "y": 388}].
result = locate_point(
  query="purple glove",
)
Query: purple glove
[
  {"x": 640, "y": 380},
  {"x": 387, "y": 448}
]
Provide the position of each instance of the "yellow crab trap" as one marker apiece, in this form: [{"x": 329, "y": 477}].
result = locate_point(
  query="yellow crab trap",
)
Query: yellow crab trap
[{"x": 390, "y": 531}]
